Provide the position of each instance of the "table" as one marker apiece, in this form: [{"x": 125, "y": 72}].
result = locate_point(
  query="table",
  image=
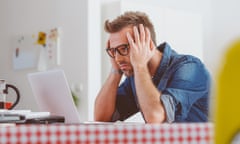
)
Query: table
[{"x": 179, "y": 133}]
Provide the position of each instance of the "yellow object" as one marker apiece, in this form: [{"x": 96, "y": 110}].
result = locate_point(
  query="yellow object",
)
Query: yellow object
[
  {"x": 227, "y": 117},
  {"x": 42, "y": 38}
]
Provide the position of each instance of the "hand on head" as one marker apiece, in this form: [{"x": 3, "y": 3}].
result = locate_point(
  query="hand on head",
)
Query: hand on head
[{"x": 141, "y": 46}]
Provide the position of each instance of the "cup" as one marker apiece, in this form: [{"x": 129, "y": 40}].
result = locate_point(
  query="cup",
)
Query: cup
[{"x": 4, "y": 104}]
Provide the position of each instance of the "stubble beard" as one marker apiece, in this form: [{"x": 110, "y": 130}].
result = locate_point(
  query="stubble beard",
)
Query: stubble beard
[{"x": 128, "y": 72}]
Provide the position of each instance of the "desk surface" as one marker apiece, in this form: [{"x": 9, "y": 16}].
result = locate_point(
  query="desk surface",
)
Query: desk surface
[{"x": 200, "y": 133}]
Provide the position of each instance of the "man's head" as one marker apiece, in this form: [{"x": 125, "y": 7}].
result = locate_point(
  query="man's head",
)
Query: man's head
[
  {"x": 130, "y": 19},
  {"x": 118, "y": 45}
]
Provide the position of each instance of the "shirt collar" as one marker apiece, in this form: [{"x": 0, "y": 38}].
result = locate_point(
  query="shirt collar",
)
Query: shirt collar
[{"x": 166, "y": 50}]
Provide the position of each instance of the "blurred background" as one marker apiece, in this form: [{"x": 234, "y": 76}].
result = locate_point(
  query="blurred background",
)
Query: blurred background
[{"x": 201, "y": 28}]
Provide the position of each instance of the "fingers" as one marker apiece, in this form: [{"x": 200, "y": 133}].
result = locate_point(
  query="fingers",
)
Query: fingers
[
  {"x": 130, "y": 39},
  {"x": 136, "y": 35},
  {"x": 140, "y": 45},
  {"x": 141, "y": 35},
  {"x": 108, "y": 44},
  {"x": 131, "y": 43},
  {"x": 142, "y": 32},
  {"x": 148, "y": 36}
]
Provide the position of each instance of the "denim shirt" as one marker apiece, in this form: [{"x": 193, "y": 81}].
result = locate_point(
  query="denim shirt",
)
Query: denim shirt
[{"x": 185, "y": 86}]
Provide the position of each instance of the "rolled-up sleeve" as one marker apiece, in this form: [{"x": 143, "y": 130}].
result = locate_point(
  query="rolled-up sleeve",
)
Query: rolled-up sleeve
[
  {"x": 185, "y": 97},
  {"x": 169, "y": 106}
]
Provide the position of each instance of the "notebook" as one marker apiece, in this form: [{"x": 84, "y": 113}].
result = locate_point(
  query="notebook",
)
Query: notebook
[{"x": 52, "y": 94}]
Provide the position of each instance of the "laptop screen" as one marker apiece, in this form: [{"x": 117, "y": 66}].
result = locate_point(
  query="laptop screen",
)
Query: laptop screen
[{"x": 52, "y": 94}]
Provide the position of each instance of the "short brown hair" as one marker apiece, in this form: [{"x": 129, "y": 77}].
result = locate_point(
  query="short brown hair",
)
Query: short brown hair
[{"x": 130, "y": 19}]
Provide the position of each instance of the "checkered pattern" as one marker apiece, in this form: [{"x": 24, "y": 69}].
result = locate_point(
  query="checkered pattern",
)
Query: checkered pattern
[{"x": 193, "y": 133}]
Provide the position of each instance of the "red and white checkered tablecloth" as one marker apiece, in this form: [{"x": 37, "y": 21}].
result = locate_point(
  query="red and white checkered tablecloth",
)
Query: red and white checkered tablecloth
[{"x": 184, "y": 133}]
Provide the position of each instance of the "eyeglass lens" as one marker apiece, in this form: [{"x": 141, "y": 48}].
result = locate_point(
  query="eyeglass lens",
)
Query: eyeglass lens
[{"x": 122, "y": 50}]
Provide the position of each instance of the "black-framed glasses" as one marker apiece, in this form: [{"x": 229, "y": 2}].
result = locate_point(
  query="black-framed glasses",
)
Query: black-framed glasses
[{"x": 122, "y": 49}]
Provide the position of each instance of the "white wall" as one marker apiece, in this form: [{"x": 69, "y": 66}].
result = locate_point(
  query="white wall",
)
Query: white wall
[
  {"x": 226, "y": 18},
  {"x": 79, "y": 59}
]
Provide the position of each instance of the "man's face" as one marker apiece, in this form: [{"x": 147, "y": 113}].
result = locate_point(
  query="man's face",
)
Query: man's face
[{"x": 123, "y": 61}]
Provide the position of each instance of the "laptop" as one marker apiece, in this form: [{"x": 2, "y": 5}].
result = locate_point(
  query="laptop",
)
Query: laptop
[{"x": 52, "y": 94}]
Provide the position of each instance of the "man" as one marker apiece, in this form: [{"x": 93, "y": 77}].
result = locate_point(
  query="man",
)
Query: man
[{"x": 163, "y": 85}]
